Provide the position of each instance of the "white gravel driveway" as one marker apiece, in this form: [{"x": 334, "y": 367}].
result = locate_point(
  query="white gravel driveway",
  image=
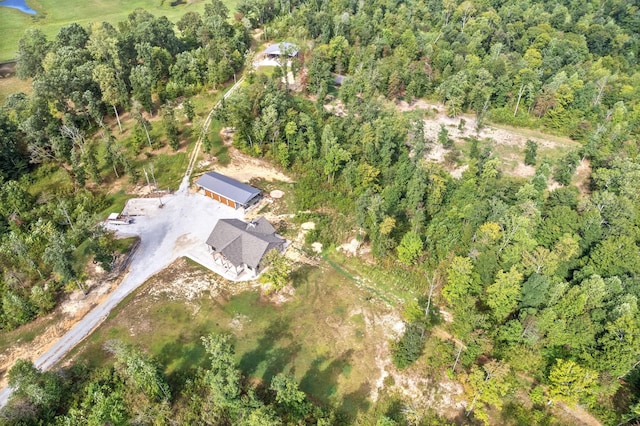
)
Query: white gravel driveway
[{"x": 179, "y": 228}]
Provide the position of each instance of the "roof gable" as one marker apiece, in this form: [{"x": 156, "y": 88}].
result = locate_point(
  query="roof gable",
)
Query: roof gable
[
  {"x": 280, "y": 49},
  {"x": 228, "y": 187},
  {"x": 244, "y": 242}
]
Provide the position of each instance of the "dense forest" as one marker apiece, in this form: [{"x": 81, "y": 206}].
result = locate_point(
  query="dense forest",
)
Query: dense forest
[{"x": 542, "y": 283}]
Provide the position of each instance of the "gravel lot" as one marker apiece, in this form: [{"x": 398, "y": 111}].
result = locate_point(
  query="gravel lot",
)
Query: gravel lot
[{"x": 179, "y": 228}]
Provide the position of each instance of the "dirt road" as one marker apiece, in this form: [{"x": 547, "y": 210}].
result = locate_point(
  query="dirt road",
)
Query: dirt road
[
  {"x": 184, "y": 217},
  {"x": 174, "y": 230}
]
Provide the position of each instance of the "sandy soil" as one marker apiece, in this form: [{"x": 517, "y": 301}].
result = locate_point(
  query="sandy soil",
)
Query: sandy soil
[
  {"x": 75, "y": 306},
  {"x": 464, "y": 126},
  {"x": 501, "y": 135},
  {"x": 350, "y": 248},
  {"x": 443, "y": 396},
  {"x": 243, "y": 167},
  {"x": 458, "y": 130},
  {"x": 575, "y": 415}
]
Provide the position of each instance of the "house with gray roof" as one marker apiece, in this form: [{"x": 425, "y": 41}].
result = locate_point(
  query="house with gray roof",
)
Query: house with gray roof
[
  {"x": 280, "y": 49},
  {"x": 228, "y": 191},
  {"x": 240, "y": 246}
]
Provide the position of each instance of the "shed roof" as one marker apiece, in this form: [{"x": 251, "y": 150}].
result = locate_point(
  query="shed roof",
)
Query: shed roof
[
  {"x": 244, "y": 242},
  {"x": 339, "y": 79},
  {"x": 228, "y": 187},
  {"x": 280, "y": 49}
]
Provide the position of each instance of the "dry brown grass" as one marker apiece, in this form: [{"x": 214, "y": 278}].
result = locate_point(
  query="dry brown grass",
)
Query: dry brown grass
[{"x": 10, "y": 85}]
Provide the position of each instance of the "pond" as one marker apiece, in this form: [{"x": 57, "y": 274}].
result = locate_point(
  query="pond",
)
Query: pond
[{"x": 21, "y": 5}]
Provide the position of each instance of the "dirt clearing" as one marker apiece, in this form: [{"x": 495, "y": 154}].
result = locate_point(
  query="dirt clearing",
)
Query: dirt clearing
[
  {"x": 507, "y": 142},
  {"x": 245, "y": 168}
]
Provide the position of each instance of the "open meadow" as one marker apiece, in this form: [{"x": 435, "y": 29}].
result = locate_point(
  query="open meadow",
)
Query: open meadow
[
  {"x": 330, "y": 330},
  {"x": 52, "y": 15}
]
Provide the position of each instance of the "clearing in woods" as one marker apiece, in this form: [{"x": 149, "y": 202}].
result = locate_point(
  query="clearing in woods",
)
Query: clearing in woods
[
  {"x": 506, "y": 142},
  {"x": 329, "y": 329}
]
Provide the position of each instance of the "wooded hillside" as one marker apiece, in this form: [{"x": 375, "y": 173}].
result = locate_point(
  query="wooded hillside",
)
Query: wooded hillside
[{"x": 542, "y": 279}]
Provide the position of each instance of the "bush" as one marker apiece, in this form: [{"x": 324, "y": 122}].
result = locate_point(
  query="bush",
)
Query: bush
[
  {"x": 566, "y": 167},
  {"x": 410, "y": 248},
  {"x": 530, "y": 153},
  {"x": 505, "y": 116},
  {"x": 406, "y": 350}
]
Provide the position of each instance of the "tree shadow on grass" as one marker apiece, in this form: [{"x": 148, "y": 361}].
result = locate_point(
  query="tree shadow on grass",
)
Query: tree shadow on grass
[
  {"x": 182, "y": 357},
  {"x": 300, "y": 276},
  {"x": 272, "y": 354},
  {"x": 322, "y": 383},
  {"x": 356, "y": 401}
]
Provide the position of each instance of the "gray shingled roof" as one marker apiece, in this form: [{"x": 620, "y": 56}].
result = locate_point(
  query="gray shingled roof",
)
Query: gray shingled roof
[
  {"x": 244, "y": 242},
  {"x": 279, "y": 48},
  {"x": 228, "y": 187}
]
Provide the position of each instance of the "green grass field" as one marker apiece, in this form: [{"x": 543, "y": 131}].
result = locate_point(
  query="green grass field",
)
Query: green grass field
[
  {"x": 53, "y": 14},
  {"x": 329, "y": 334}
]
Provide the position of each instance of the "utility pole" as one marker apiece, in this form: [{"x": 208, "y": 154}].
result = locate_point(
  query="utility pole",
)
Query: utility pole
[
  {"x": 457, "y": 358},
  {"x": 146, "y": 176},
  {"x": 153, "y": 176}
]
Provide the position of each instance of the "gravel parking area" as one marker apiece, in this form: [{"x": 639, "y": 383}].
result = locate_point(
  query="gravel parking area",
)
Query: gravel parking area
[{"x": 174, "y": 226}]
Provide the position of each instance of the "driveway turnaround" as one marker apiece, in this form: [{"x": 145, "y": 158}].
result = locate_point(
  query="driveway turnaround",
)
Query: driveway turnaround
[
  {"x": 178, "y": 225},
  {"x": 169, "y": 227}
]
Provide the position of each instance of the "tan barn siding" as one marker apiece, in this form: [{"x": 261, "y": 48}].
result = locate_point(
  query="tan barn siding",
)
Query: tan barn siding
[{"x": 220, "y": 198}]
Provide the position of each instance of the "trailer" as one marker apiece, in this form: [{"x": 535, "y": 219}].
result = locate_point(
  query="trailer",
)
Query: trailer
[{"x": 119, "y": 219}]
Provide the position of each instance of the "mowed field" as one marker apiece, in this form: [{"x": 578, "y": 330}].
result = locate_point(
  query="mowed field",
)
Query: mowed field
[
  {"x": 331, "y": 332},
  {"x": 53, "y": 14}
]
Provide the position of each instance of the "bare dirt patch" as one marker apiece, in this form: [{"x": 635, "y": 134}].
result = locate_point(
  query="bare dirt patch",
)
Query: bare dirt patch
[
  {"x": 350, "y": 248},
  {"x": 337, "y": 108},
  {"x": 68, "y": 313},
  {"x": 575, "y": 415},
  {"x": 582, "y": 175},
  {"x": 508, "y": 142},
  {"x": 243, "y": 167},
  {"x": 465, "y": 125},
  {"x": 187, "y": 284}
]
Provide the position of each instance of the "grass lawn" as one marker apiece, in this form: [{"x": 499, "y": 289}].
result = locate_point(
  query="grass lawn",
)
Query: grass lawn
[
  {"x": 10, "y": 85},
  {"x": 169, "y": 169},
  {"x": 329, "y": 334},
  {"x": 285, "y": 204},
  {"x": 218, "y": 148},
  {"x": 117, "y": 202},
  {"x": 52, "y": 15},
  {"x": 46, "y": 177}
]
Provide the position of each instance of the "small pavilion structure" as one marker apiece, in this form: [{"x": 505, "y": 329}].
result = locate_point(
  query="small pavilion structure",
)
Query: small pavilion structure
[{"x": 275, "y": 51}]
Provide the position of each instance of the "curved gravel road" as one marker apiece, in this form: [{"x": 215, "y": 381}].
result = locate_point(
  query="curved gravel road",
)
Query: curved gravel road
[
  {"x": 165, "y": 234},
  {"x": 178, "y": 228}
]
